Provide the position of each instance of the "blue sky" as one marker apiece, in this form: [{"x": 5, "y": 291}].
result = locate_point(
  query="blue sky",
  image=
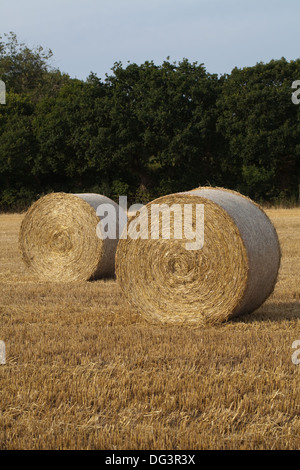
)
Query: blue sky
[{"x": 91, "y": 35}]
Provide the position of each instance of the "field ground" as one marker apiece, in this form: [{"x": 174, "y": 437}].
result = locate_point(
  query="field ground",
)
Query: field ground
[{"x": 84, "y": 371}]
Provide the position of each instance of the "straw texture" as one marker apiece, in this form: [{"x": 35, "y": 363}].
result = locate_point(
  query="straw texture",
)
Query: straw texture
[
  {"x": 233, "y": 273},
  {"x": 58, "y": 239}
]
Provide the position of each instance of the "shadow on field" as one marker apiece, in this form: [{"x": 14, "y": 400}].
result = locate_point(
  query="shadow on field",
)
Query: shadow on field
[{"x": 272, "y": 311}]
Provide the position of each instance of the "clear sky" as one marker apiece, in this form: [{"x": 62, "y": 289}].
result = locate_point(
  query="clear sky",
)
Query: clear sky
[{"x": 90, "y": 35}]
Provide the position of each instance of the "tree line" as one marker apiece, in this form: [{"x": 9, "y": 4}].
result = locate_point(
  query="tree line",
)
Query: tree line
[{"x": 146, "y": 130}]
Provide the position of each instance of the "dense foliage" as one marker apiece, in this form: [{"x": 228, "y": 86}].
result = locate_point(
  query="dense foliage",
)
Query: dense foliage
[{"x": 146, "y": 130}]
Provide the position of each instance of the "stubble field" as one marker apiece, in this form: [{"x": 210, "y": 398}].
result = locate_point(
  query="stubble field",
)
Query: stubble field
[{"x": 85, "y": 371}]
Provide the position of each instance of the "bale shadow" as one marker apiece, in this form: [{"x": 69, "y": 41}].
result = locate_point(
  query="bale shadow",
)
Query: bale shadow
[{"x": 272, "y": 312}]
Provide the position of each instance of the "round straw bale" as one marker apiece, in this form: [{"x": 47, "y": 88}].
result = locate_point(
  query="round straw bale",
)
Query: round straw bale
[
  {"x": 63, "y": 239},
  {"x": 232, "y": 272}
]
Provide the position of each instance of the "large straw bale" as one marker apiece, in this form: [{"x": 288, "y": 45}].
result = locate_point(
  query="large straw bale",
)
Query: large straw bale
[
  {"x": 233, "y": 273},
  {"x": 62, "y": 238}
]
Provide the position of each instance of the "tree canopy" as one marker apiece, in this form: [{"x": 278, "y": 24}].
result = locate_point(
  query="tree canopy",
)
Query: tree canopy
[{"x": 146, "y": 130}]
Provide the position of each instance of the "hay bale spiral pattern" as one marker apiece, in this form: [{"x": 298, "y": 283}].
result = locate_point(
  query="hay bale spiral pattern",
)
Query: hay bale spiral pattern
[
  {"x": 58, "y": 239},
  {"x": 233, "y": 273}
]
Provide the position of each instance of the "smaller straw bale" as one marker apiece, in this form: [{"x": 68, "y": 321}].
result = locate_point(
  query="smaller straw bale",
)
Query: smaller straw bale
[{"x": 63, "y": 239}]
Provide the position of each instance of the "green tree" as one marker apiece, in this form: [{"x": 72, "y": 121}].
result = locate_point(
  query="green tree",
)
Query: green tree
[
  {"x": 163, "y": 125},
  {"x": 67, "y": 130},
  {"x": 18, "y": 149},
  {"x": 26, "y": 70},
  {"x": 29, "y": 78},
  {"x": 261, "y": 126}
]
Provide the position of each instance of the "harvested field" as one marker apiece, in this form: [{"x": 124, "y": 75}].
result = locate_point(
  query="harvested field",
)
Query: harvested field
[{"x": 84, "y": 371}]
